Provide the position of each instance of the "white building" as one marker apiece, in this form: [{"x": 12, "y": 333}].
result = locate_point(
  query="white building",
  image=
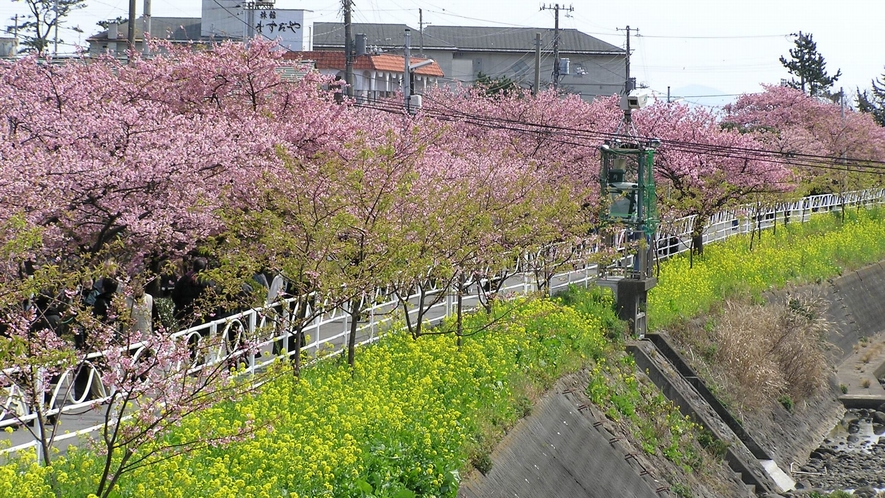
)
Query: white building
[{"x": 221, "y": 20}]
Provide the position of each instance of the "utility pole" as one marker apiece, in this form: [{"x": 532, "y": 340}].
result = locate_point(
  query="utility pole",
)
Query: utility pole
[
  {"x": 131, "y": 32},
  {"x": 629, "y": 83},
  {"x": 421, "y": 29},
  {"x": 15, "y": 38},
  {"x": 348, "y": 47},
  {"x": 55, "y": 11},
  {"x": 556, "y": 8},
  {"x": 537, "y": 84},
  {"x": 146, "y": 26},
  {"x": 250, "y": 21},
  {"x": 407, "y": 76}
]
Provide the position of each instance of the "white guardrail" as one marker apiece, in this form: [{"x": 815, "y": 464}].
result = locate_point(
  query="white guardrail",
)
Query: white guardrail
[{"x": 327, "y": 333}]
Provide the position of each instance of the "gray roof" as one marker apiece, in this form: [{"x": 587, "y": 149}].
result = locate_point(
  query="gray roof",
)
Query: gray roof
[
  {"x": 331, "y": 34},
  {"x": 465, "y": 38},
  {"x": 519, "y": 39},
  {"x": 167, "y": 28}
]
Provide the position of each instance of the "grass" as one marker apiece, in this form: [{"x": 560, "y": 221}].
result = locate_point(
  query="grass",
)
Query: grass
[
  {"x": 811, "y": 252},
  {"x": 749, "y": 351}
]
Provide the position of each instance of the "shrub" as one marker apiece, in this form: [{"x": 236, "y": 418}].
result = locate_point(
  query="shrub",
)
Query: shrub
[{"x": 786, "y": 402}]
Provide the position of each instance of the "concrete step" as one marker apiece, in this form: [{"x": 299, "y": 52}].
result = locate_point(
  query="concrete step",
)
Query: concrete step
[
  {"x": 782, "y": 479},
  {"x": 679, "y": 390}
]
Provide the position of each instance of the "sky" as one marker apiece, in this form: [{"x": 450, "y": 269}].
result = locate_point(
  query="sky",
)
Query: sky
[{"x": 697, "y": 48}]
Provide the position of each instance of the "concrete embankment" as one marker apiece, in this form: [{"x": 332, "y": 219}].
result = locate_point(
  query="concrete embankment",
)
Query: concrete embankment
[{"x": 561, "y": 450}]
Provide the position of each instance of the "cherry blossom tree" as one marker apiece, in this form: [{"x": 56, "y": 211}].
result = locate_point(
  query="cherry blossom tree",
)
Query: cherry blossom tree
[
  {"x": 107, "y": 168},
  {"x": 704, "y": 167},
  {"x": 827, "y": 145},
  {"x": 543, "y": 173}
]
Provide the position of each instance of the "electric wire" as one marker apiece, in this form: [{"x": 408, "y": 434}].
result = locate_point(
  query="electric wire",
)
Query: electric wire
[
  {"x": 687, "y": 146},
  {"x": 590, "y": 138}
]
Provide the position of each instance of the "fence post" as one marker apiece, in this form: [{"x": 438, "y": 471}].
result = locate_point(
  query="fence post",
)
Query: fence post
[
  {"x": 448, "y": 307},
  {"x": 38, "y": 424},
  {"x": 253, "y": 325}
]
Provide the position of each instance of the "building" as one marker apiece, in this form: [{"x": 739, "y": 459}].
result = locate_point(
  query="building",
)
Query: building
[
  {"x": 8, "y": 46},
  {"x": 595, "y": 68},
  {"x": 221, "y": 20},
  {"x": 375, "y": 75},
  {"x": 590, "y": 67},
  {"x": 115, "y": 39}
]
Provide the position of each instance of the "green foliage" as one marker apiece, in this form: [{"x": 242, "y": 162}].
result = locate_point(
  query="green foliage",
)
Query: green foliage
[
  {"x": 496, "y": 85},
  {"x": 839, "y": 494},
  {"x": 411, "y": 414},
  {"x": 717, "y": 447},
  {"x": 809, "y": 67},
  {"x": 106, "y": 23},
  {"x": 596, "y": 302},
  {"x": 786, "y": 402},
  {"x": 482, "y": 462},
  {"x": 656, "y": 421},
  {"x": 682, "y": 491},
  {"x": 873, "y": 101},
  {"x": 42, "y": 19}
]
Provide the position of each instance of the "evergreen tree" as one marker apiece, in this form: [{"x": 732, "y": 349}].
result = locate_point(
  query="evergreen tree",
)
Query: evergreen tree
[
  {"x": 106, "y": 23},
  {"x": 809, "y": 66},
  {"x": 495, "y": 85},
  {"x": 873, "y": 101},
  {"x": 42, "y": 22}
]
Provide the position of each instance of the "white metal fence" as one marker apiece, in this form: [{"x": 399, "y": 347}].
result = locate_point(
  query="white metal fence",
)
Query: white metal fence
[{"x": 327, "y": 333}]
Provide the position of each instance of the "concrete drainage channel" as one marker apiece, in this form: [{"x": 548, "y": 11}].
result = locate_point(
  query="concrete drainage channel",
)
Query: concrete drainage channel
[{"x": 669, "y": 371}]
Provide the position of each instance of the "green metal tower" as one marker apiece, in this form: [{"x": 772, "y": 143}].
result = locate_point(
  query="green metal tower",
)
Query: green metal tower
[{"x": 627, "y": 180}]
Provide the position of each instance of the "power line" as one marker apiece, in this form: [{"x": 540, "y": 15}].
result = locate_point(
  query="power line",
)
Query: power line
[
  {"x": 734, "y": 37},
  {"x": 445, "y": 13},
  {"x": 569, "y": 136}
]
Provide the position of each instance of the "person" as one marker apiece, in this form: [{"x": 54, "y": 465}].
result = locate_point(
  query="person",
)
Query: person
[
  {"x": 49, "y": 307},
  {"x": 188, "y": 289},
  {"x": 102, "y": 304},
  {"x": 140, "y": 305}
]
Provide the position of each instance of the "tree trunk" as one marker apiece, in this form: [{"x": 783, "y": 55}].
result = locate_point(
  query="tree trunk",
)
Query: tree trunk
[
  {"x": 459, "y": 306},
  {"x": 299, "y": 321},
  {"x": 697, "y": 244},
  {"x": 697, "y": 237},
  {"x": 355, "y": 306}
]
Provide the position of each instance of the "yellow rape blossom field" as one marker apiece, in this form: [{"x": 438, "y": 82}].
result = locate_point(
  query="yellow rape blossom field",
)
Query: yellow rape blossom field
[
  {"x": 414, "y": 414},
  {"x": 403, "y": 423},
  {"x": 821, "y": 248}
]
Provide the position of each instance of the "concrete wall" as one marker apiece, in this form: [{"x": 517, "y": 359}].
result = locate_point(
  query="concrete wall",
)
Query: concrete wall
[{"x": 558, "y": 452}]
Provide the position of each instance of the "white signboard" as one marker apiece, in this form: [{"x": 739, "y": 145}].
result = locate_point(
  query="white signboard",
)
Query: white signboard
[{"x": 287, "y": 26}]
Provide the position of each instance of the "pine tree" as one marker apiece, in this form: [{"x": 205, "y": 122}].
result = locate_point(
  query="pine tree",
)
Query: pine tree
[
  {"x": 873, "y": 101},
  {"x": 494, "y": 85},
  {"x": 809, "y": 66}
]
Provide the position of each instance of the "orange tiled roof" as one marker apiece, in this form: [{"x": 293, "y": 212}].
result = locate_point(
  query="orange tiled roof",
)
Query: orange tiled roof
[{"x": 382, "y": 62}]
